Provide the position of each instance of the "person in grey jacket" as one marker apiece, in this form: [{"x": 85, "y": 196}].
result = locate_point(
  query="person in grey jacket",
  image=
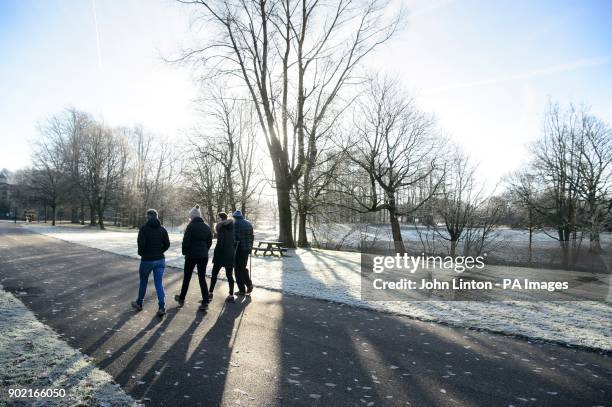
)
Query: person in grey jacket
[{"x": 224, "y": 254}]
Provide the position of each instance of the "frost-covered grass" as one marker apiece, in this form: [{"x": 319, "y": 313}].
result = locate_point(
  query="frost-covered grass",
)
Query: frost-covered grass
[
  {"x": 33, "y": 356},
  {"x": 505, "y": 246},
  {"x": 335, "y": 276}
]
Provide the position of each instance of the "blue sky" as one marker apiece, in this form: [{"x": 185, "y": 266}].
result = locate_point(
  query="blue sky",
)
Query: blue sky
[{"x": 485, "y": 68}]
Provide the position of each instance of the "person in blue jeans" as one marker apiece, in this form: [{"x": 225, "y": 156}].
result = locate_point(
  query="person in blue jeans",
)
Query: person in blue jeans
[{"x": 153, "y": 241}]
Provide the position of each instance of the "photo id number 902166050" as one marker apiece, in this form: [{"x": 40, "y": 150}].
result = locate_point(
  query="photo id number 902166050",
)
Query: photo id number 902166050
[{"x": 36, "y": 393}]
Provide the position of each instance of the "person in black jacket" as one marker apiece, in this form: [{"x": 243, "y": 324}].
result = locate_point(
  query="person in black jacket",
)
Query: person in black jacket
[
  {"x": 243, "y": 235},
  {"x": 153, "y": 241},
  {"x": 224, "y": 254},
  {"x": 197, "y": 239}
]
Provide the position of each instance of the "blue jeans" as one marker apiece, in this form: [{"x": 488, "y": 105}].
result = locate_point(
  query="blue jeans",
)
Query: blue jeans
[{"x": 157, "y": 267}]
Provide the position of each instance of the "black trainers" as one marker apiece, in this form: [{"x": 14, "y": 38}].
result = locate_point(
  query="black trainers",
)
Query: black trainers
[
  {"x": 203, "y": 306},
  {"x": 136, "y": 306},
  {"x": 177, "y": 298},
  {"x": 242, "y": 293},
  {"x": 210, "y": 295},
  {"x": 230, "y": 298},
  {"x": 161, "y": 312},
  {"x": 250, "y": 289}
]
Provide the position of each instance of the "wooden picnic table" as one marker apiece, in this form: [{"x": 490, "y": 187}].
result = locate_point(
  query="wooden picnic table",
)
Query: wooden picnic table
[{"x": 270, "y": 246}]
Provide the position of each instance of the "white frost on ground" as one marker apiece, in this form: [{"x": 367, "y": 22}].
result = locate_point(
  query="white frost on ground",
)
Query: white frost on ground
[
  {"x": 335, "y": 276},
  {"x": 33, "y": 356}
]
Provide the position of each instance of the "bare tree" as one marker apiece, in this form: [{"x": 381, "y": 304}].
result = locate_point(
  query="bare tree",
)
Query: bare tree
[
  {"x": 524, "y": 191},
  {"x": 394, "y": 143},
  {"x": 203, "y": 176},
  {"x": 104, "y": 157},
  {"x": 311, "y": 192},
  {"x": 555, "y": 156},
  {"x": 294, "y": 58},
  {"x": 48, "y": 179},
  {"x": 228, "y": 146},
  {"x": 594, "y": 166},
  {"x": 459, "y": 198},
  {"x": 152, "y": 171},
  {"x": 482, "y": 233}
]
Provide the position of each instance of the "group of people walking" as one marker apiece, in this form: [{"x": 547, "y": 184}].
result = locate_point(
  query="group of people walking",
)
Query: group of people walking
[{"x": 234, "y": 244}]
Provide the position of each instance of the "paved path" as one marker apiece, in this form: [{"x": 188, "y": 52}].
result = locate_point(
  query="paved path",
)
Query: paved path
[{"x": 277, "y": 349}]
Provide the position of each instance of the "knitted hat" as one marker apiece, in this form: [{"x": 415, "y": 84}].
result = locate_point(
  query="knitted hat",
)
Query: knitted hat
[
  {"x": 195, "y": 212},
  {"x": 237, "y": 214}
]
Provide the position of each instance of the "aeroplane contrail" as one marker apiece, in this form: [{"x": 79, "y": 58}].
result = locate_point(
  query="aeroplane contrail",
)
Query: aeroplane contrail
[{"x": 95, "y": 16}]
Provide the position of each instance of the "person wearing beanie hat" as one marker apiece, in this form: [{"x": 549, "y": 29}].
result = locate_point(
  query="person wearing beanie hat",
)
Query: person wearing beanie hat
[
  {"x": 195, "y": 212},
  {"x": 197, "y": 240},
  {"x": 243, "y": 235}
]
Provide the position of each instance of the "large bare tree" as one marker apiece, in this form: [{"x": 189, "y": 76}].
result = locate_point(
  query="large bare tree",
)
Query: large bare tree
[
  {"x": 293, "y": 58},
  {"x": 396, "y": 145}
]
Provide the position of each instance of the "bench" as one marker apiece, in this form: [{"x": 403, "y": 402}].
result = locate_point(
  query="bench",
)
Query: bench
[{"x": 266, "y": 246}]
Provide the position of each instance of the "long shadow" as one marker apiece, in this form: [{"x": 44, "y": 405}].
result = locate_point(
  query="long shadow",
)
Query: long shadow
[
  {"x": 141, "y": 350},
  {"x": 319, "y": 365},
  {"x": 333, "y": 354},
  {"x": 198, "y": 360}
]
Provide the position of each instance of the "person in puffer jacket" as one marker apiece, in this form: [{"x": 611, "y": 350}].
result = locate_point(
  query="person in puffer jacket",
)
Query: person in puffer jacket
[
  {"x": 224, "y": 254},
  {"x": 197, "y": 240},
  {"x": 153, "y": 241},
  {"x": 243, "y": 234}
]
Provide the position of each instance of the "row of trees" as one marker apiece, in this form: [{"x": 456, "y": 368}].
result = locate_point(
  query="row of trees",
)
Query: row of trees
[
  {"x": 106, "y": 173},
  {"x": 338, "y": 141},
  {"x": 333, "y": 144},
  {"x": 389, "y": 159},
  {"x": 567, "y": 185},
  {"x": 78, "y": 162}
]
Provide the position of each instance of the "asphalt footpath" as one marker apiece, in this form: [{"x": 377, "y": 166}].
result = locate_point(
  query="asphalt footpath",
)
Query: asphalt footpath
[{"x": 274, "y": 349}]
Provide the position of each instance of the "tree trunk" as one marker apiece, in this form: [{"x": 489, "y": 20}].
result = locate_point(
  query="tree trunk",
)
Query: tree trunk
[
  {"x": 101, "y": 217},
  {"x": 82, "y": 213},
  {"x": 92, "y": 216},
  {"x": 453, "y": 248},
  {"x": 396, "y": 232},
  {"x": 285, "y": 234},
  {"x": 211, "y": 215},
  {"x": 53, "y": 210},
  {"x": 594, "y": 243},
  {"x": 530, "y": 243},
  {"x": 302, "y": 235}
]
